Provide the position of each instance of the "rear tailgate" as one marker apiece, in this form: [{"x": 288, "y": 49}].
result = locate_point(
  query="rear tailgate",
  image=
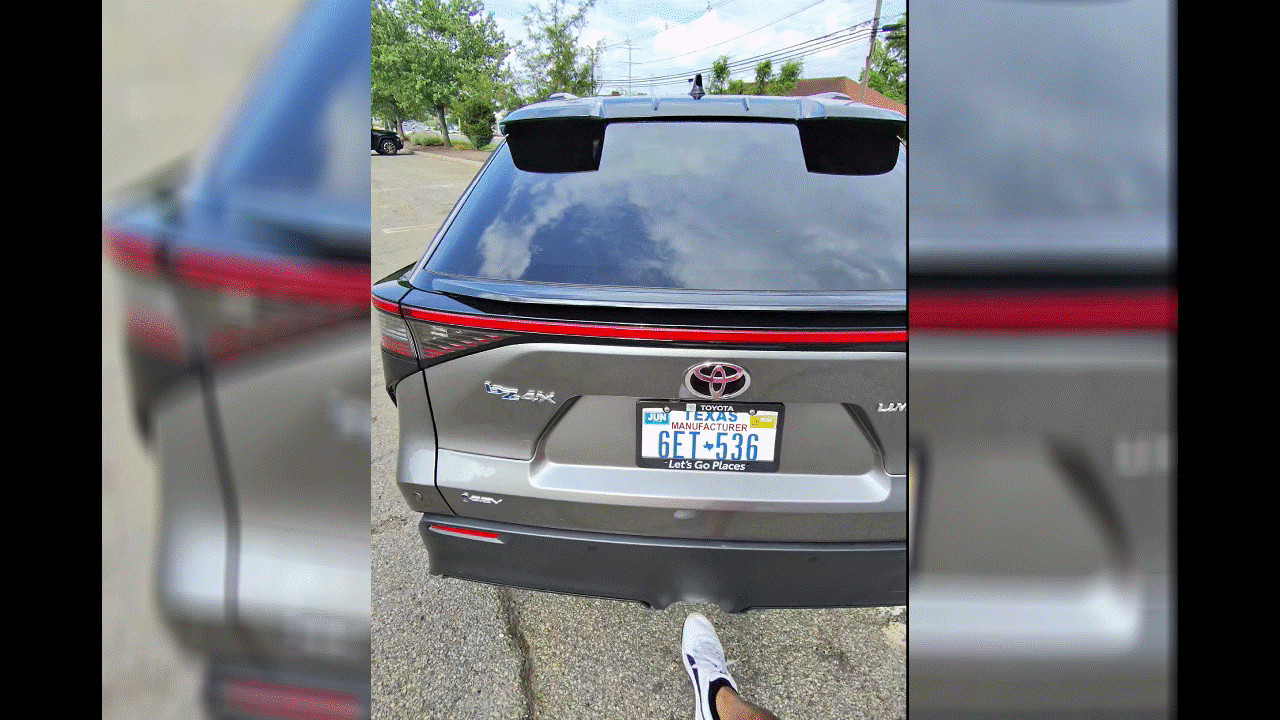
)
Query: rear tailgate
[{"x": 543, "y": 427}]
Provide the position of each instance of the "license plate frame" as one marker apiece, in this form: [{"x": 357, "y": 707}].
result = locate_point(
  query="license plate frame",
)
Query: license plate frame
[{"x": 710, "y": 464}]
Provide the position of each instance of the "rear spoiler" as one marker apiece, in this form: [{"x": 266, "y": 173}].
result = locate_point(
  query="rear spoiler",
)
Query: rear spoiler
[{"x": 832, "y": 145}]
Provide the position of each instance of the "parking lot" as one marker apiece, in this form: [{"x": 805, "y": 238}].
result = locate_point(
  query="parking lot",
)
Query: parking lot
[{"x": 446, "y": 648}]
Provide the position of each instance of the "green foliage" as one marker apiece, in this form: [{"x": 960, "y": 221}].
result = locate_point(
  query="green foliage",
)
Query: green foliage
[
  {"x": 552, "y": 58},
  {"x": 425, "y": 140},
  {"x": 766, "y": 83},
  {"x": 425, "y": 51},
  {"x": 387, "y": 35},
  {"x": 468, "y": 145},
  {"x": 764, "y": 76},
  {"x": 889, "y": 64},
  {"x": 476, "y": 120},
  {"x": 719, "y": 76},
  {"x": 896, "y": 41},
  {"x": 787, "y": 78}
]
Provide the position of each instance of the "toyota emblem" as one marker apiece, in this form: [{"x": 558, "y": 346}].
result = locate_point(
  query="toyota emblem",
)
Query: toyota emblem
[{"x": 716, "y": 380}]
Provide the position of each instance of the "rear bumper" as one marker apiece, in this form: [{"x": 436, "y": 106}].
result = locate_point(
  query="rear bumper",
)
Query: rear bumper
[{"x": 735, "y": 575}]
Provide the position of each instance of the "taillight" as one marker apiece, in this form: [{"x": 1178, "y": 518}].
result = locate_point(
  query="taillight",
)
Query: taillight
[
  {"x": 185, "y": 305},
  {"x": 152, "y": 321},
  {"x": 395, "y": 335},
  {"x": 427, "y": 343},
  {"x": 436, "y": 342},
  {"x": 243, "y": 305}
]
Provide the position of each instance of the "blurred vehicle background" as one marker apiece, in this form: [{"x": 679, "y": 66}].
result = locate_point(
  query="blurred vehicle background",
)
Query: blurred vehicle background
[
  {"x": 1043, "y": 320},
  {"x": 235, "y": 318}
]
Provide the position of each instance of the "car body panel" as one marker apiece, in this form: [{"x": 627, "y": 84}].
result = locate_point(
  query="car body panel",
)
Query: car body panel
[
  {"x": 1043, "y": 436},
  {"x": 737, "y": 576}
]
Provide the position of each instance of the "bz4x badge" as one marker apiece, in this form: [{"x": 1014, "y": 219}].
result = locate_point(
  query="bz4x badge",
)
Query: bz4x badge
[{"x": 514, "y": 393}]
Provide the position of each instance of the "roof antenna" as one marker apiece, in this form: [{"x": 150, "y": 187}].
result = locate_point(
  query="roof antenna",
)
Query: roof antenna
[{"x": 696, "y": 92}]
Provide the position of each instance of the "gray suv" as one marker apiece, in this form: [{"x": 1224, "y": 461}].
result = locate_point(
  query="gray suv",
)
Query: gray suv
[{"x": 657, "y": 352}]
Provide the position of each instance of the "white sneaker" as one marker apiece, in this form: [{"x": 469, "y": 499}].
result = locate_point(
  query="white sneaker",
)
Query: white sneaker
[{"x": 704, "y": 659}]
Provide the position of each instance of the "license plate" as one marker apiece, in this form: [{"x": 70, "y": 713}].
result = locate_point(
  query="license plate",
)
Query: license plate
[{"x": 717, "y": 436}]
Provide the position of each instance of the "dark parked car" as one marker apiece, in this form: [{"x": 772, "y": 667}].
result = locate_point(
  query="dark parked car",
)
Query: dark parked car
[
  {"x": 385, "y": 142},
  {"x": 657, "y": 352}
]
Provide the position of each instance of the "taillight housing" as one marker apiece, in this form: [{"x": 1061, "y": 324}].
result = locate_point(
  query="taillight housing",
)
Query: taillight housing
[
  {"x": 185, "y": 306},
  {"x": 437, "y": 342},
  {"x": 408, "y": 344},
  {"x": 427, "y": 343},
  {"x": 396, "y": 338}
]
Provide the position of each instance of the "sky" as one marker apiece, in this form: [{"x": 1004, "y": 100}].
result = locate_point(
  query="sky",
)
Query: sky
[{"x": 681, "y": 37}]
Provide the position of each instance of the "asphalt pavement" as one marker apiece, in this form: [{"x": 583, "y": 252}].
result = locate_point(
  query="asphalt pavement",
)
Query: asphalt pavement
[{"x": 447, "y": 648}]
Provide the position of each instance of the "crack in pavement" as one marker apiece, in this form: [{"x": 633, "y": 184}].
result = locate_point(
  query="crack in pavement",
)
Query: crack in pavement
[{"x": 520, "y": 644}]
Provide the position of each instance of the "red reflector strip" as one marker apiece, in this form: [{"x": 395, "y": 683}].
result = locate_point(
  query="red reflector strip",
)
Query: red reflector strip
[
  {"x": 132, "y": 252},
  {"x": 1045, "y": 310},
  {"x": 466, "y": 531},
  {"x": 321, "y": 282},
  {"x": 632, "y": 332},
  {"x": 274, "y": 700}
]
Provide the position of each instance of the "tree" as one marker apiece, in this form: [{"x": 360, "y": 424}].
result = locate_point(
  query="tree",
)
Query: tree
[
  {"x": 475, "y": 119},
  {"x": 388, "y": 36},
  {"x": 425, "y": 50},
  {"x": 719, "y": 76},
  {"x": 552, "y": 58},
  {"x": 889, "y": 64},
  {"x": 896, "y": 41},
  {"x": 787, "y": 78},
  {"x": 764, "y": 76}
]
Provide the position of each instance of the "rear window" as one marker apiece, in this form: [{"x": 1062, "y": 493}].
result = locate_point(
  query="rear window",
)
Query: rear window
[{"x": 685, "y": 205}]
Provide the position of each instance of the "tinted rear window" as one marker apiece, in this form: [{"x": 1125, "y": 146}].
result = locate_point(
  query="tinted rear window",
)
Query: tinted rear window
[{"x": 685, "y": 205}]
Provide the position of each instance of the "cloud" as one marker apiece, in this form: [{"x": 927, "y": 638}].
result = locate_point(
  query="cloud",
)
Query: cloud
[{"x": 698, "y": 37}]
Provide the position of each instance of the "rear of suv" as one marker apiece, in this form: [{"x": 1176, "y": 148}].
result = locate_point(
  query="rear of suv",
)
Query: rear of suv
[{"x": 657, "y": 352}]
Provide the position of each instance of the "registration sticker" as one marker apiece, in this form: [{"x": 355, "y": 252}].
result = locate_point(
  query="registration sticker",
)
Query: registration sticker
[{"x": 713, "y": 436}]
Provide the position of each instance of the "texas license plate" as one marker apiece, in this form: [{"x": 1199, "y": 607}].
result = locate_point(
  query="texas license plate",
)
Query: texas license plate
[{"x": 715, "y": 435}]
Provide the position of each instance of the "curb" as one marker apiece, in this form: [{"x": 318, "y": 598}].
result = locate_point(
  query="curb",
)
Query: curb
[{"x": 476, "y": 163}]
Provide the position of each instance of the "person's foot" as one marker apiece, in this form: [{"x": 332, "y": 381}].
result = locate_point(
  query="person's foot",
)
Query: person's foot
[{"x": 704, "y": 659}]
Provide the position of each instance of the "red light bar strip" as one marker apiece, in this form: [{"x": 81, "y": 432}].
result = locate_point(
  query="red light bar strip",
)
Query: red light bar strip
[
  {"x": 273, "y": 700},
  {"x": 386, "y": 305},
  {"x": 322, "y": 282},
  {"x": 132, "y": 252},
  {"x": 479, "y": 534},
  {"x": 632, "y": 332},
  {"x": 1045, "y": 310}
]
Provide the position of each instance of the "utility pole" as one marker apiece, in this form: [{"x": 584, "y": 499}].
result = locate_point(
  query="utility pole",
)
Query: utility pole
[
  {"x": 866, "y": 72},
  {"x": 629, "y": 65}
]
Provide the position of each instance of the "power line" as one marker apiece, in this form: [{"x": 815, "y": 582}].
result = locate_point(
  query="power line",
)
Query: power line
[
  {"x": 807, "y": 47},
  {"x": 762, "y": 27},
  {"x": 790, "y": 52},
  {"x": 745, "y": 65},
  {"x": 655, "y": 33},
  {"x": 795, "y": 51}
]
